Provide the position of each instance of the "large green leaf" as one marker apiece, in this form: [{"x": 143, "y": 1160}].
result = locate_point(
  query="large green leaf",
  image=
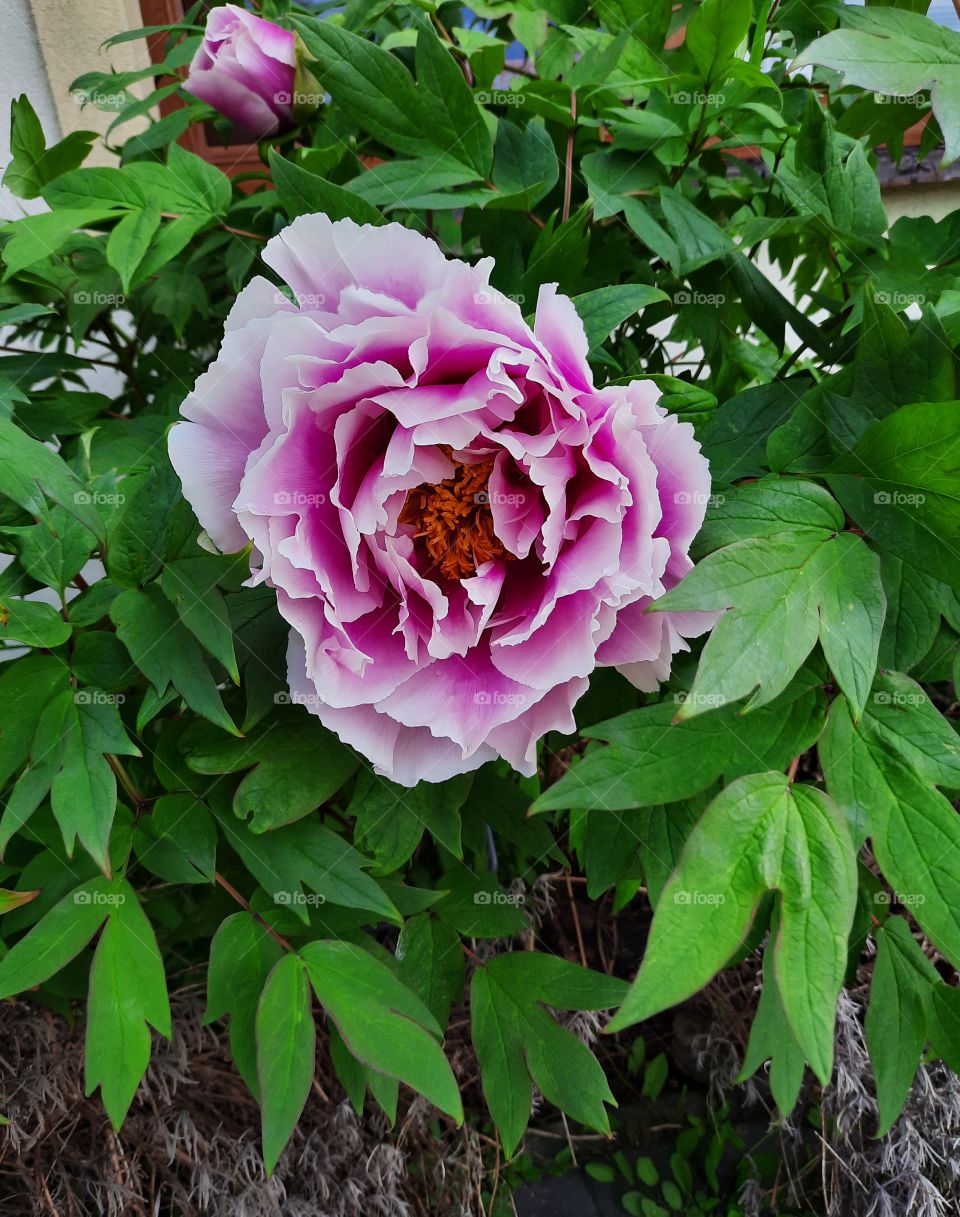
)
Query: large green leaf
[
  {"x": 128, "y": 996},
  {"x": 896, "y": 1024},
  {"x": 382, "y": 1022},
  {"x": 286, "y": 1053},
  {"x": 782, "y": 593},
  {"x": 283, "y": 860},
  {"x": 760, "y": 834},
  {"x": 29, "y": 470},
  {"x": 771, "y": 1039},
  {"x": 883, "y": 771},
  {"x": 301, "y": 192},
  {"x": 297, "y": 766},
  {"x": 654, "y": 758},
  {"x": 166, "y": 652},
  {"x": 518, "y": 1043},
  {"x": 901, "y": 483},
  {"x": 897, "y": 53},
  {"x": 242, "y": 955},
  {"x": 56, "y": 939}
]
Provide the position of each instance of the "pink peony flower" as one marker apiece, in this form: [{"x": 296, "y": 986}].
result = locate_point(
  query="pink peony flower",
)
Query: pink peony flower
[
  {"x": 458, "y": 524},
  {"x": 246, "y": 68}
]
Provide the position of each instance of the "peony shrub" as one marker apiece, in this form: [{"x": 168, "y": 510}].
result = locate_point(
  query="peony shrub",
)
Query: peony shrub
[{"x": 482, "y": 574}]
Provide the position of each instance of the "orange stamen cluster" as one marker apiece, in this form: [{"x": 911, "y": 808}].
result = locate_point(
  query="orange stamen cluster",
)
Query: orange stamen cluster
[{"x": 454, "y": 520}]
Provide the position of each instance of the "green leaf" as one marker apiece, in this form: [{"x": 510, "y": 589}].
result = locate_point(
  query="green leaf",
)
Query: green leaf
[
  {"x": 104, "y": 186},
  {"x": 901, "y": 484},
  {"x": 431, "y": 963},
  {"x": 306, "y": 853},
  {"x": 402, "y": 183},
  {"x": 914, "y": 830},
  {"x": 817, "y": 181},
  {"x": 715, "y": 31},
  {"x": 56, "y": 939},
  {"x": 177, "y": 841},
  {"x": 784, "y": 592},
  {"x": 896, "y": 1025},
  {"x": 735, "y": 439},
  {"x": 75, "y": 731},
  {"x": 913, "y": 614},
  {"x": 760, "y": 834},
  {"x": 84, "y": 791},
  {"x": 35, "y": 238},
  {"x": 190, "y": 586},
  {"x": 653, "y": 758},
  {"x": 454, "y": 120},
  {"x": 166, "y": 653},
  {"x": 301, "y": 193},
  {"x": 381, "y": 1021},
  {"x": 286, "y": 1053},
  {"x": 525, "y": 166},
  {"x": 128, "y": 995},
  {"x": 31, "y": 163},
  {"x": 25, "y": 689},
  {"x": 376, "y": 89},
  {"x": 56, "y": 549},
  {"x": 765, "y": 508},
  {"x": 771, "y": 1039},
  {"x": 897, "y": 53},
  {"x": 129, "y": 240},
  {"x": 298, "y": 765},
  {"x": 601, "y": 311},
  {"x": 391, "y": 818},
  {"x": 517, "y": 1041},
  {"x": 29, "y": 470},
  {"x": 33, "y": 623},
  {"x": 242, "y": 955}
]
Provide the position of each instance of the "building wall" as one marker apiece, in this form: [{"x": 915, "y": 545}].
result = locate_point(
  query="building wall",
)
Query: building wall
[{"x": 45, "y": 46}]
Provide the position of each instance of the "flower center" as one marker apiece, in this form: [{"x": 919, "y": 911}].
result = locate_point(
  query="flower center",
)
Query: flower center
[{"x": 454, "y": 520}]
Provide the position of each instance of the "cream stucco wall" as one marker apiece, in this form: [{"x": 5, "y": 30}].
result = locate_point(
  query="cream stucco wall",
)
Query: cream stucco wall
[
  {"x": 45, "y": 45},
  {"x": 70, "y": 34}
]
